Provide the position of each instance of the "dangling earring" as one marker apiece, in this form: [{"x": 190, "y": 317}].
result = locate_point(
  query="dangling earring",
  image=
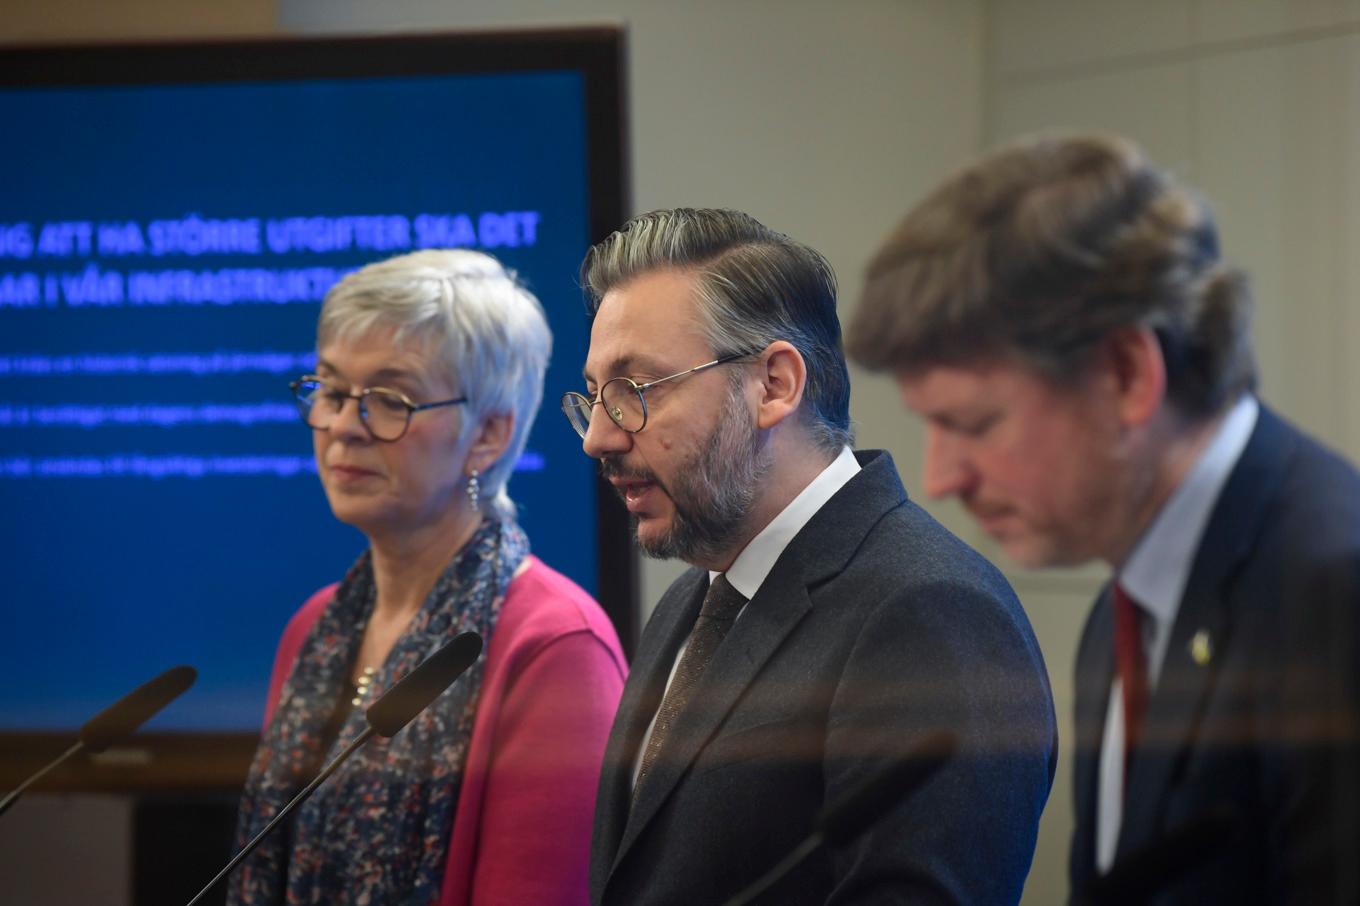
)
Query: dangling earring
[{"x": 474, "y": 490}]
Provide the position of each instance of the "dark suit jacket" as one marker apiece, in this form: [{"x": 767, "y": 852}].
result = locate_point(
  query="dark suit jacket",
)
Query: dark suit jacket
[
  {"x": 875, "y": 628},
  {"x": 1267, "y": 727}
]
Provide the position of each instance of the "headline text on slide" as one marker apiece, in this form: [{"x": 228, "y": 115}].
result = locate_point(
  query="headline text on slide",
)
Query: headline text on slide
[{"x": 68, "y": 242}]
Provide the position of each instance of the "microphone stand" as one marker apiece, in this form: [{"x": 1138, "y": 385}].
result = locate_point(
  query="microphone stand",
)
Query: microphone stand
[
  {"x": 14, "y": 795},
  {"x": 285, "y": 812},
  {"x": 860, "y": 808},
  {"x": 408, "y": 697},
  {"x": 118, "y": 720},
  {"x": 786, "y": 865}
]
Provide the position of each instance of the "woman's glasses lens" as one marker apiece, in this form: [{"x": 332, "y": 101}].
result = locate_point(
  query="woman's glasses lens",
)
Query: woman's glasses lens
[
  {"x": 308, "y": 396},
  {"x": 384, "y": 411}
]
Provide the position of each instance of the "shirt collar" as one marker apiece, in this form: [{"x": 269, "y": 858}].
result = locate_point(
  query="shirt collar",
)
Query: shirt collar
[
  {"x": 1156, "y": 572},
  {"x": 754, "y": 563}
]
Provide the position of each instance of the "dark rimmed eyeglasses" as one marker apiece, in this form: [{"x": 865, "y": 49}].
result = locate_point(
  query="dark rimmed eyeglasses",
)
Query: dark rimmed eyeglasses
[
  {"x": 385, "y": 413},
  {"x": 623, "y": 398}
]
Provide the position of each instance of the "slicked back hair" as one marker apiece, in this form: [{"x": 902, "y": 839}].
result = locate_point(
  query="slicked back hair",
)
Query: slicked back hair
[{"x": 754, "y": 286}]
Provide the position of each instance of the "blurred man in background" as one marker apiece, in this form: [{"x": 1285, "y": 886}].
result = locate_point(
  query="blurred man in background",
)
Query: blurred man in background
[{"x": 1059, "y": 316}]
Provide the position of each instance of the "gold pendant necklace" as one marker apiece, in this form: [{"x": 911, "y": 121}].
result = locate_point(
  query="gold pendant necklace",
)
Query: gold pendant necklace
[{"x": 362, "y": 686}]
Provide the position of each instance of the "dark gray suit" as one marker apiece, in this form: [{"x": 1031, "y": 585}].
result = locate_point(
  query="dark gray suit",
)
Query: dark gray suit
[
  {"x": 875, "y": 628},
  {"x": 1267, "y": 726}
]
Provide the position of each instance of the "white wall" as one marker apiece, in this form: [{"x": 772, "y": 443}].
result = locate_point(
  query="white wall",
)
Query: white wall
[
  {"x": 34, "y": 21},
  {"x": 1252, "y": 101},
  {"x": 1255, "y": 103},
  {"x": 62, "y": 849}
]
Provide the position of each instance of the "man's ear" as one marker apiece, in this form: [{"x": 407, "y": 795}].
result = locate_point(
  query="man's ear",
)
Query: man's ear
[
  {"x": 1136, "y": 370},
  {"x": 489, "y": 441},
  {"x": 783, "y": 377}
]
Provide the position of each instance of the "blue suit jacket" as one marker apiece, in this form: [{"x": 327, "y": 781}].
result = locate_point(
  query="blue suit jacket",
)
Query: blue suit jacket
[
  {"x": 875, "y": 628},
  {"x": 1267, "y": 728}
]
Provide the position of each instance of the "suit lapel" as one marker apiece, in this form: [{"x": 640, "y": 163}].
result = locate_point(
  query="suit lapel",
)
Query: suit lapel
[
  {"x": 1095, "y": 670},
  {"x": 665, "y": 632},
  {"x": 763, "y": 625},
  {"x": 822, "y": 548},
  {"x": 1177, "y": 704}
]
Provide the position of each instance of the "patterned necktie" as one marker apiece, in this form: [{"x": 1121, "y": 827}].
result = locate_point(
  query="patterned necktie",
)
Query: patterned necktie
[
  {"x": 1131, "y": 665},
  {"x": 719, "y": 612}
]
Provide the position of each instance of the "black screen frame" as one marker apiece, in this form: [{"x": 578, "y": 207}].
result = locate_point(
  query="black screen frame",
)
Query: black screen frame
[{"x": 219, "y": 761}]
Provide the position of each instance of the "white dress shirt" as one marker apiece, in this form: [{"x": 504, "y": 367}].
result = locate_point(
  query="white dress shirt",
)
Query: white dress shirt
[
  {"x": 747, "y": 573},
  {"x": 1154, "y": 577}
]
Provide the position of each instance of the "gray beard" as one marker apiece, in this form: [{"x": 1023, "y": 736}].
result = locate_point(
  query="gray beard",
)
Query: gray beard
[{"x": 713, "y": 494}]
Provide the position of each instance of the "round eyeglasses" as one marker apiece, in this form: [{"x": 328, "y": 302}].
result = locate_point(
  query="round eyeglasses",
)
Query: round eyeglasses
[
  {"x": 623, "y": 399},
  {"x": 386, "y": 414}
]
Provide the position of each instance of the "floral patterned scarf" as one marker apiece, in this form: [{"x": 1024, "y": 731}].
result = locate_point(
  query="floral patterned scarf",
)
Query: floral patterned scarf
[{"x": 377, "y": 831}]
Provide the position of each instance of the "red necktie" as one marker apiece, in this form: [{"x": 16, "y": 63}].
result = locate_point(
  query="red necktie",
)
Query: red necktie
[{"x": 1131, "y": 666}]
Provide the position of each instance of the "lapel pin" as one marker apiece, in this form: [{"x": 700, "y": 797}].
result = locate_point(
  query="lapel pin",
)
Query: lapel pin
[{"x": 1201, "y": 648}]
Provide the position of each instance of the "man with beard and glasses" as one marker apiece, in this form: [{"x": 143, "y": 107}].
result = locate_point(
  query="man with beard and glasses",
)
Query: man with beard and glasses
[{"x": 829, "y": 632}]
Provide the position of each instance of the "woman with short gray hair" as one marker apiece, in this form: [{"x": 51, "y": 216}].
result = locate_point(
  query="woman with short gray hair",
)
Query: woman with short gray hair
[{"x": 429, "y": 374}]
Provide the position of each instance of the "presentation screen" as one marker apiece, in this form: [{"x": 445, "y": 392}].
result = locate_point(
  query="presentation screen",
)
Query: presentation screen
[{"x": 172, "y": 217}]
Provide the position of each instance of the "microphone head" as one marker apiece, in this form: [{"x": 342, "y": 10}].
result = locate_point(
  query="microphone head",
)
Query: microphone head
[
  {"x": 852, "y": 814},
  {"x": 122, "y": 718},
  {"x": 413, "y": 692}
]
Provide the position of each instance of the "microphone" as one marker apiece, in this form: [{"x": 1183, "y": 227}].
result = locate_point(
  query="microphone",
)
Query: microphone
[
  {"x": 859, "y": 809},
  {"x": 123, "y": 717},
  {"x": 413, "y": 693},
  {"x": 1134, "y": 878},
  {"x": 118, "y": 721},
  {"x": 393, "y": 710}
]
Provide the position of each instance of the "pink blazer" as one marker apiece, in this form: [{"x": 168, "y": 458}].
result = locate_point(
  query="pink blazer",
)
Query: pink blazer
[{"x": 554, "y": 674}]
